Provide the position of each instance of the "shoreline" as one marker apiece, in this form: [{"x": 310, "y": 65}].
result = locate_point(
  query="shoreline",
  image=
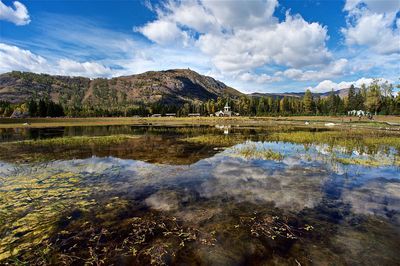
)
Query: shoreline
[{"x": 379, "y": 122}]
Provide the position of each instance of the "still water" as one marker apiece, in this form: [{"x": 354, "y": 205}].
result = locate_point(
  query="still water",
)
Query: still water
[{"x": 223, "y": 195}]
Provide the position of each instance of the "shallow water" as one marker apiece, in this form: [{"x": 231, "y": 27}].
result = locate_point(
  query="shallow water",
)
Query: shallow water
[{"x": 237, "y": 198}]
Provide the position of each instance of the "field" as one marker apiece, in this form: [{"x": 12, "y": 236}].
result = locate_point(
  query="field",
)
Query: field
[{"x": 379, "y": 121}]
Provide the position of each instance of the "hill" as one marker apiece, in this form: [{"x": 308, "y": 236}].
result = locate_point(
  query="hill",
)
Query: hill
[
  {"x": 175, "y": 86},
  {"x": 342, "y": 93}
]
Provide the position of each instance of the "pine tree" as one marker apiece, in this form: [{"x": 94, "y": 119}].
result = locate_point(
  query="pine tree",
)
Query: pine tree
[
  {"x": 308, "y": 102},
  {"x": 32, "y": 107},
  {"x": 352, "y": 99},
  {"x": 42, "y": 108},
  {"x": 373, "y": 100}
]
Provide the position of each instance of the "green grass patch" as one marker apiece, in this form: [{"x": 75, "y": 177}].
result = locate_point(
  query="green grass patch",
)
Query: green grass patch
[
  {"x": 74, "y": 141},
  {"x": 217, "y": 140},
  {"x": 369, "y": 161},
  {"x": 368, "y": 141},
  {"x": 252, "y": 152}
]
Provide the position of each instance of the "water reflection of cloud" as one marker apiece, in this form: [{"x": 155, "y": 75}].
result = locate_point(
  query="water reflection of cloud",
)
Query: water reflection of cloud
[
  {"x": 289, "y": 188},
  {"x": 5, "y": 169},
  {"x": 163, "y": 201},
  {"x": 294, "y": 183},
  {"x": 376, "y": 197}
]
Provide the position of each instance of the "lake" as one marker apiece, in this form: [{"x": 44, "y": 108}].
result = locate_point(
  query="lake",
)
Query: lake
[{"x": 199, "y": 195}]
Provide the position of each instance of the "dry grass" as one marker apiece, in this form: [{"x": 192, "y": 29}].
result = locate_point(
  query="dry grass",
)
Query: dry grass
[{"x": 380, "y": 121}]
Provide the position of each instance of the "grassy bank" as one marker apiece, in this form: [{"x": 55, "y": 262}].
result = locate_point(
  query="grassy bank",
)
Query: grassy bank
[
  {"x": 378, "y": 122},
  {"x": 73, "y": 141}
]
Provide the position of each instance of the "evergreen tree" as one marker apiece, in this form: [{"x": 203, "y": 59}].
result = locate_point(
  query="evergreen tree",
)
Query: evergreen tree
[
  {"x": 42, "y": 108},
  {"x": 352, "y": 99},
  {"x": 331, "y": 103},
  {"x": 32, "y": 108},
  {"x": 261, "y": 107},
  {"x": 308, "y": 102},
  {"x": 373, "y": 100}
]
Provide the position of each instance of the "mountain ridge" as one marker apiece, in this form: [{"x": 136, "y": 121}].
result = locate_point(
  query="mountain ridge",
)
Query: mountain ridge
[
  {"x": 341, "y": 92},
  {"x": 170, "y": 87},
  {"x": 175, "y": 86}
]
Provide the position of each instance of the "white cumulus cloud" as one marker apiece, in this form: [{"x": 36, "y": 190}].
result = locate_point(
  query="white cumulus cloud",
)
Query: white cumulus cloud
[
  {"x": 335, "y": 68},
  {"x": 163, "y": 32},
  {"x": 14, "y": 58},
  {"x": 328, "y": 85},
  {"x": 371, "y": 24},
  {"x": 18, "y": 15},
  {"x": 87, "y": 69},
  {"x": 239, "y": 36},
  {"x": 258, "y": 78}
]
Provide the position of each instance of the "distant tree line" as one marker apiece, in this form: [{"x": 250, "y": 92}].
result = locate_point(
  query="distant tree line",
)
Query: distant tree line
[
  {"x": 376, "y": 98},
  {"x": 44, "y": 107}
]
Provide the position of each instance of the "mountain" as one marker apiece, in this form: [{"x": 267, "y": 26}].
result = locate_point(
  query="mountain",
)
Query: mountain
[
  {"x": 175, "y": 86},
  {"x": 342, "y": 93},
  {"x": 171, "y": 87}
]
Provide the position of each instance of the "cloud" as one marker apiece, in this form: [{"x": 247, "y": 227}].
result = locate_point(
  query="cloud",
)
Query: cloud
[
  {"x": 293, "y": 42},
  {"x": 335, "y": 68},
  {"x": 258, "y": 78},
  {"x": 163, "y": 32},
  {"x": 234, "y": 34},
  {"x": 14, "y": 58},
  {"x": 328, "y": 85},
  {"x": 377, "y": 6},
  {"x": 372, "y": 25},
  {"x": 87, "y": 69},
  {"x": 241, "y": 14},
  {"x": 84, "y": 39},
  {"x": 17, "y": 15}
]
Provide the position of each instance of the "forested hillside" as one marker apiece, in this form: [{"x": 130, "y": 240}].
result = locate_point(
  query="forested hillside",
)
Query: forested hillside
[
  {"x": 154, "y": 91},
  {"x": 179, "y": 91}
]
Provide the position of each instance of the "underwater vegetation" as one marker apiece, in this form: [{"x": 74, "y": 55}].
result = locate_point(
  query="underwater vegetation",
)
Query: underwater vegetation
[
  {"x": 62, "y": 218},
  {"x": 167, "y": 196}
]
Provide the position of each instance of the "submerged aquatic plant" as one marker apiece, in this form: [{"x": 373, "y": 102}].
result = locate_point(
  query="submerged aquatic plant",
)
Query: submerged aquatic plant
[{"x": 273, "y": 227}]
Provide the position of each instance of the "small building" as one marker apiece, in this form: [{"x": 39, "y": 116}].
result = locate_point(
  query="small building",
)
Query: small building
[
  {"x": 194, "y": 115},
  {"x": 19, "y": 114},
  {"x": 156, "y": 115},
  {"x": 227, "y": 111},
  {"x": 358, "y": 113},
  {"x": 170, "y": 114}
]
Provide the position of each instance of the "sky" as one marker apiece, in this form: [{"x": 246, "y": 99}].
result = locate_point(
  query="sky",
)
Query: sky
[{"x": 253, "y": 45}]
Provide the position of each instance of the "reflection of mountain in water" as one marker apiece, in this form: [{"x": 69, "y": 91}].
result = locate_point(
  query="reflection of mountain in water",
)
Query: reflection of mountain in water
[{"x": 149, "y": 148}]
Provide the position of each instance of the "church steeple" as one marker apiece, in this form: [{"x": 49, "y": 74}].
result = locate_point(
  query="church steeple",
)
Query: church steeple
[{"x": 227, "y": 108}]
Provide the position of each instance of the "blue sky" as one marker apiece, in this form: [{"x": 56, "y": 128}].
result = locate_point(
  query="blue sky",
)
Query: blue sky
[{"x": 257, "y": 45}]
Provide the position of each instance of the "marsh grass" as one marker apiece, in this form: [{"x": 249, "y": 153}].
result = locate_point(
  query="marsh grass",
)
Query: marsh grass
[
  {"x": 363, "y": 141},
  {"x": 251, "y": 151},
  {"x": 51, "y": 149},
  {"x": 74, "y": 141},
  {"x": 369, "y": 161},
  {"x": 217, "y": 140}
]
